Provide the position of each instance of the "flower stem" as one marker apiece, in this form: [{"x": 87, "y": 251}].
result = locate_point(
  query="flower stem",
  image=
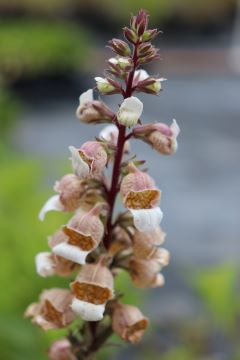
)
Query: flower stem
[{"x": 118, "y": 157}]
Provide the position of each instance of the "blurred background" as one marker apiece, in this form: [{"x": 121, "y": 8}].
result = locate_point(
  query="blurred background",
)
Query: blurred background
[{"x": 50, "y": 50}]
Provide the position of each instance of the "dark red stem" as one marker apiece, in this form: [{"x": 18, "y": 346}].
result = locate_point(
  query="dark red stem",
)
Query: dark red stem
[{"x": 119, "y": 153}]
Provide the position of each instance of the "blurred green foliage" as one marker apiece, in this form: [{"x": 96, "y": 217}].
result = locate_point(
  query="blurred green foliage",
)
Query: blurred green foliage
[
  {"x": 9, "y": 109},
  {"x": 31, "y": 47},
  {"x": 22, "y": 236},
  {"x": 217, "y": 286},
  {"x": 194, "y": 12}
]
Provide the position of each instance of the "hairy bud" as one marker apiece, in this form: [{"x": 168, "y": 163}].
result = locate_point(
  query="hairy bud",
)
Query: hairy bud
[
  {"x": 162, "y": 137},
  {"x": 61, "y": 350},
  {"x": 120, "y": 47},
  {"x": 107, "y": 86}
]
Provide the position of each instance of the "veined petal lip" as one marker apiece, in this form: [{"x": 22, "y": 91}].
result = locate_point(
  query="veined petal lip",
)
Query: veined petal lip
[
  {"x": 146, "y": 220},
  {"x": 88, "y": 311},
  {"x": 70, "y": 252}
]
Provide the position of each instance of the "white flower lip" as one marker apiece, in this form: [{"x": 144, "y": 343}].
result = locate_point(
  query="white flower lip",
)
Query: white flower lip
[
  {"x": 86, "y": 97},
  {"x": 88, "y": 311},
  {"x": 141, "y": 74},
  {"x": 44, "y": 264},
  {"x": 70, "y": 252},
  {"x": 146, "y": 220},
  {"x": 107, "y": 131},
  {"x": 100, "y": 79},
  {"x": 80, "y": 167},
  {"x": 175, "y": 128},
  {"x": 53, "y": 203},
  {"x": 130, "y": 111},
  {"x": 112, "y": 60}
]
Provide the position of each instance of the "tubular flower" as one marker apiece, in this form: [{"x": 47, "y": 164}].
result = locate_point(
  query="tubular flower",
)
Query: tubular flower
[
  {"x": 162, "y": 137},
  {"x": 130, "y": 111},
  {"x": 61, "y": 350},
  {"x": 145, "y": 246},
  {"x": 48, "y": 264},
  {"x": 141, "y": 196},
  {"x": 53, "y": 310},
  {"x": 129, "y": 323},
  {"x": 92, "y": 289},
  {"x": 70, "y": 189},
  {"x": 145, "y": 273},
  {"x": 90, "y": 160},
  {"x": 83, "y": 234},
  {"x": 92, "y": 111}
]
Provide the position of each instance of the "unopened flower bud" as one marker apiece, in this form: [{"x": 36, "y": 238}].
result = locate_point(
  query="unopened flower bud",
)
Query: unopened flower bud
[
  {"x": 120, "y": 47},
  {"x": 145, "y": 273},
  {"x": 144, "y": 49},
  {"x": 130, "y": 35},
  {"x": 149, "y": 35},
  {"x": 163, "y": 144},
  {"x": 129, "y": 323},
  {"x": 130, "y": 111},
  {"x": 61, "y": 350},
  {"x": 123, "y": 63},
  {"x": 162, "y": 137},
  {"x": 92, "y": 289},
  {"x": 53, "y": 310},
  {"x": 92, "y": 111},
  {"x": 150, "y": 55},
  {"x": 139, "y": 22},
  {"x": 89, "y": 160},
  {"x": 105, "y": 86},
  {"x": 150, "y": 85},
  {"x": 70, "y": 189}
]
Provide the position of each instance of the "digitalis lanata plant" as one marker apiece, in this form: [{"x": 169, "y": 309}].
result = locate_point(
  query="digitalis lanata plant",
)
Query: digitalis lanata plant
[{"x": 94, "y": 246}]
